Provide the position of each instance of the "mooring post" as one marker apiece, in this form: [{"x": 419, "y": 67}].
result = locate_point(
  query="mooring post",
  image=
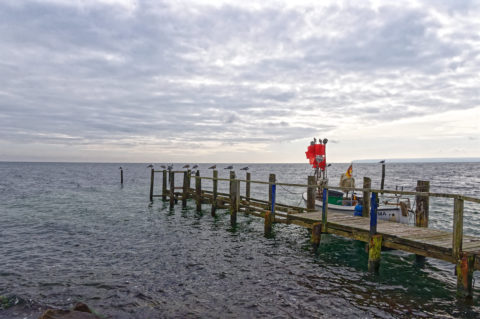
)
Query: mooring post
[
  {"x": 422, "y": 204},
  {"x": 198, "y": 191},
  {"x": 215, "y": 192},
  {"x": 172, "y": 188},
  {"x": 316, "y": 235},
  {"x": 234, "y": 201},
  {"x": 121, "y": 175},
  {"x": 247, "y": 187},
  {"x": 465, "y": 268},
  {"x": 311, "y": 193},
  {"x": 457, "y": 238},
  {"x": 271, "y": 180},
  {"x": 152, "y": 176},
  {"x": 185, "y": 189},
  {"x": 375, "y": 242},
  {"x": 324, "y": 209},
  {"x": 189, "y": 182},
  {"x": 164, "y": 186},
  {"x": 367, "y": 184},
  {"x": 421, "y": 211}
]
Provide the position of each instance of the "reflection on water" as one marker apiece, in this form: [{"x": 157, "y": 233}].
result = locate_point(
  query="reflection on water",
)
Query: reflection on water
[{"x": 71, "y": 233}]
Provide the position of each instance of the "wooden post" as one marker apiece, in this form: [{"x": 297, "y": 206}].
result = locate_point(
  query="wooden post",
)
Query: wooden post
[
  {"x": 172, "y": 189},
  {"x": 316, "y": 235},
  {"x": 422, "y": 204},
  {"x": 232, "y": 177},
  {"x": 324, "y": 210},
  {"x": 367, "y": 184},
  {"x": 271, "y": 180},
  {"x": 311, "y": 193},
  {"x": 375, "y": 242},
  {"x": 121, "y": 175},
  {"x": 234, "y": 202},
  {"x": 247, "y": 187},
  {"x": 185, "y": 189},
  {"x": 164, "y": 186},
  {"x": 457, "y": 228},
  {"x": 215, "y": 192},
  {"x": 198, "y": 191},
  {"x": 152, "y": 176},
  {"x": 465, "y": 268},
  {"x": 382, "y": 184},
  {"x": 268, "y": 224},
  {"x": 374, "y": 252}
]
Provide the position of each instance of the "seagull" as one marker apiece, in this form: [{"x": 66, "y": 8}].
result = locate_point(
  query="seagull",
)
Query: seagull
[
  {"x": 163, "y": 166},
  {"x": 170, "y": 167},
  {"x": 244, "y": 169},
  {"x": 120, "y": 167},
  {"x": 330, "y": 164},
  {"x": 213, "y": 167},
  {"x": 229, "y": 167},
  {"x": 186, "y": 166},
  {"x": 151, "y": 166},
  {"x": 194, "y": 166},
  {"x": 382, "y": 162}
]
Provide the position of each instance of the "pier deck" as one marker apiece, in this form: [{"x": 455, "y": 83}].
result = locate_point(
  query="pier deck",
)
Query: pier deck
[{"x": 426, "y": 242}]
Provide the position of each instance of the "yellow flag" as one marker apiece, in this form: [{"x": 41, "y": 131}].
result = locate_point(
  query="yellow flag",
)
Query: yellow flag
[{"x": 349, "y": 171}]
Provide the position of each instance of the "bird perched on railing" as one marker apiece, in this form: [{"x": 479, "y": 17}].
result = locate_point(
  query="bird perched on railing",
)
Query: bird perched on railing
[
  {"x": 229, "y": 167},
  {"x": 213, "y": 167},
  {"x": 382, "y": 162},
  {"x": 163, "y": 166},
  {"x": 194, "y": 166},
  {"x": 170, "y": 167},
  {"x": 186, "y": 166},
  {"x": 244, "y": 169},
  {"x": 151, "y": 166}
]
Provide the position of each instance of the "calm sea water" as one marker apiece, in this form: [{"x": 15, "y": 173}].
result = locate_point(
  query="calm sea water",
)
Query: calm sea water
[{"x": 71, "y": 232}]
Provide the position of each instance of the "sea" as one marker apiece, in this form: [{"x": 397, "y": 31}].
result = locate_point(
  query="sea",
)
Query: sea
[{"x": 71, "y": 232}]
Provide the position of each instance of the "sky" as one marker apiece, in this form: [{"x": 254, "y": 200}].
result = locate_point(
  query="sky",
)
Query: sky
[{"x": 238, "y": 81}]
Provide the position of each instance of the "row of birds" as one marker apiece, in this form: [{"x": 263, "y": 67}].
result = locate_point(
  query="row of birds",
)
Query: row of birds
[{"x": 170, "y": 167}]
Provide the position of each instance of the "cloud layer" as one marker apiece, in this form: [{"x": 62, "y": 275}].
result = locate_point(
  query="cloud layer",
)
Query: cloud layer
[{"x": 147, "y": 78}]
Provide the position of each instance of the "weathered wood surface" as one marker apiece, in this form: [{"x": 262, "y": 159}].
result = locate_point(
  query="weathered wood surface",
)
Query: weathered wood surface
[{"x": 421, "y": 241}]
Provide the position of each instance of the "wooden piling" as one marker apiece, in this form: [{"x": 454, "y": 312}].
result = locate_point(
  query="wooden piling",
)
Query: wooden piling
[
  {"x": 367, "y": 184},
  {"x": 232, "y": 177},
  {"x": 152, "y": 176},
  {"x": 464, "y": 270},
  {"x": 198, "y": 191},
  {"x": 374, "y": 253},
  {"x": 164, "y": 186},
  {"x": 234, "y": 201},
  {"x": 311, "y": 193},
  {"x": 273, "y": 191},
  {"x": 271, "y": 180},
  {"x": 172, "y": 189},
  {"x": 268, "y": 224},
  {"x": 215, "y": 192},
  {"x": 185, "y": 189},
  {"x": 247, "y": 187},
  {"x": 422, "y": 204},
  {"x": 457, "y": 237},
  {"x": 121, "y": 176},
  {"x": 316, "y": 235},
  {"x": 375, "y": 241}
]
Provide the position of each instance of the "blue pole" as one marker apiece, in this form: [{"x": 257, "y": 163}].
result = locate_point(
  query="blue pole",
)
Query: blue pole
[
  {"x": 273, "y": 200},
  {"x": 373, "y": 214},
  {"x": 324, "y": 208}
]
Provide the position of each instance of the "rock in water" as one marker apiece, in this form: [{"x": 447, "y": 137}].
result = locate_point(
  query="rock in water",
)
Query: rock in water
[{"x": 80, "y": 311}]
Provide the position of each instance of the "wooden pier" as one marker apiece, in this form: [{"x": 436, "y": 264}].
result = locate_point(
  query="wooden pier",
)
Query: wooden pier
[{"x": 454, "y": 247}]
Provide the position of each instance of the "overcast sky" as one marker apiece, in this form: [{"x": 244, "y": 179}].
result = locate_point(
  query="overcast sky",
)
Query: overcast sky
[{"x": 238, "y": 81}]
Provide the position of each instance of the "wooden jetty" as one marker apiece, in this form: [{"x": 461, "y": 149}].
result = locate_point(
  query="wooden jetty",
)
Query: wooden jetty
[{"x": 453, "y": 247}]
